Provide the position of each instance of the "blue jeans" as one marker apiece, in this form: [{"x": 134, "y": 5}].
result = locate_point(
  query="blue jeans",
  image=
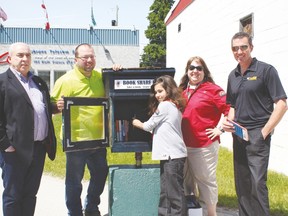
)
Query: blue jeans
[{"x": 75, "y": 167}]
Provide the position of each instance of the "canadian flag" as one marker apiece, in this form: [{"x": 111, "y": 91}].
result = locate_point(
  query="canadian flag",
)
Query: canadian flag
[
  {"x": 47, "y": 24},
  {"x": 3, "y": 15}
]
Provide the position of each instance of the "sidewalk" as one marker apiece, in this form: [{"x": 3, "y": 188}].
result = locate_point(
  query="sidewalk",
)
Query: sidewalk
[
  {"x": 51, "y": 199},
  {"x": 52, "y": 193}
]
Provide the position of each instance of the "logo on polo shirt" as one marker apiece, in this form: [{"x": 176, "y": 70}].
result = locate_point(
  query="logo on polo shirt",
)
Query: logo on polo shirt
[{"x": 252, "y": 78}]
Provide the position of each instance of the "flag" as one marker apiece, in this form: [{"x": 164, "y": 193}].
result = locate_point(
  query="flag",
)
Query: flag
[
  {"x": 92, "y": 17},
  {"x": 3, "y": 15},
  {"x": 47, "y": 24}
]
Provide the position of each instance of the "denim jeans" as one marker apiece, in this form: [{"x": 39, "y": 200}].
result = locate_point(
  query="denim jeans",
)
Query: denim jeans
[{"x": 75, "y": 167}]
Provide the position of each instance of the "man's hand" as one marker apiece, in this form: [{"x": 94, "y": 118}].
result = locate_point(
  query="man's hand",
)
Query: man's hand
[
  {"x": 60, "y": 104},
  {"x": 10, "y": 149},
  {"x": 116, "y": 67},
  {"x": 227, "y": 126}
]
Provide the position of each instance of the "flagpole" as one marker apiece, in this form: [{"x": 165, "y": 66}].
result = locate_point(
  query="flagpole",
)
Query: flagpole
[
  {"x": 47, "y": 28},
  {"x": 106, "y": 51},
  {"x": 2, "y": 28},
  {"x": 60, "y": 48}
]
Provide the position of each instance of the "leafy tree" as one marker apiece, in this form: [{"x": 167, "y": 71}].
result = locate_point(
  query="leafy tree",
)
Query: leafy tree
[{"x": 155, "y": 52}]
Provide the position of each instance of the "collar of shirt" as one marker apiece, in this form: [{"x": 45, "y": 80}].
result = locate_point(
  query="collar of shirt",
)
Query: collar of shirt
[
  {"x": 80, "y": 75},
  {"x": 20, "y": 77},
  {"x": 252, "y": 67}
]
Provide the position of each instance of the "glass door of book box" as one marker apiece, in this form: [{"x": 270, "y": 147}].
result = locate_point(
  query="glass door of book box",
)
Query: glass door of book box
[{"x": 85, "y": 123}]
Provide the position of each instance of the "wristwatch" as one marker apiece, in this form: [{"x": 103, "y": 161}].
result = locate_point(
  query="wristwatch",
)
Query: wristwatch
[{"x": 221, "y": 129}]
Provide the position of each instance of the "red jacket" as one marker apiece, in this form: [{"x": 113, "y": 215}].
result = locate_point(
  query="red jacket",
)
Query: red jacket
[{"x": 204, "y": 109}]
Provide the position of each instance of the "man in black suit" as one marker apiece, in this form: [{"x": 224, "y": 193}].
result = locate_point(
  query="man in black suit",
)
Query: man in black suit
[{"x": 26, "y": 132}]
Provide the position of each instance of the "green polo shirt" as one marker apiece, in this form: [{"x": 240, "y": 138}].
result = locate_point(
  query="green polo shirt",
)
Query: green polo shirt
[{"x": 86, "y": 122}]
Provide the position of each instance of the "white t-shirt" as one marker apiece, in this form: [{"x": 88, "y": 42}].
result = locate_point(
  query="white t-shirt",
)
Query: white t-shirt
[{"x": 167, "y": 135}]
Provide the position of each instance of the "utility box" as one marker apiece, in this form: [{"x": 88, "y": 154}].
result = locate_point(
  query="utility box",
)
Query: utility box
[{"x": 133, "y": 191}]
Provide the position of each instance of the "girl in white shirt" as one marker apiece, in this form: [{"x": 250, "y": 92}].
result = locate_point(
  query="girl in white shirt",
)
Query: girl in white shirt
[{"x": 166, "y": 106}]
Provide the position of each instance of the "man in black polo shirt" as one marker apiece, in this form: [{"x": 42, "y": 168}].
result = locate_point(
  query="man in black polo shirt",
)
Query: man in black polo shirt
[{"x": 253, "y": 89}]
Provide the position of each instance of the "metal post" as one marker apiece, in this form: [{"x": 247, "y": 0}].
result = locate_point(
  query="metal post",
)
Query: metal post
[{"x": 138, "y": 158}]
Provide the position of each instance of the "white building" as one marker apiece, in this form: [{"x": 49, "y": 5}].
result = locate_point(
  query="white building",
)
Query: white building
[
  {"x": 53, "y": 50},
  {"x": 205, "y": 28}
]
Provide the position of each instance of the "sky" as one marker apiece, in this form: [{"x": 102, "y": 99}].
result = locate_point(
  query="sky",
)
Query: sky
[{"x": 132, "y": 14}]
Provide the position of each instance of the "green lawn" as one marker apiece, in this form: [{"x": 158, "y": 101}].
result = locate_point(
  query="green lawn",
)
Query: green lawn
[{"x": 277, "y": 183}]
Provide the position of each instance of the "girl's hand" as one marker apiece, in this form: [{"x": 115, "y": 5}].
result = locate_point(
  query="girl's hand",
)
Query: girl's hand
[{"x": 137, "y": 123}]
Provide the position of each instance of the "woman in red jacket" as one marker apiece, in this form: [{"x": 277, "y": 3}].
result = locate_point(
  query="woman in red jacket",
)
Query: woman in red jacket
[{"x": 206, "y": 102}]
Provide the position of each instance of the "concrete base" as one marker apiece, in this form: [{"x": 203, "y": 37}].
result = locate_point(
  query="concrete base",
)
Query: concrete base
[{"x": 134, "y": 191}]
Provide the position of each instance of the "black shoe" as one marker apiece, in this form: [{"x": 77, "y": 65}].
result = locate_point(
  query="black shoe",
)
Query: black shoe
[{"x": 93, "y": 213}]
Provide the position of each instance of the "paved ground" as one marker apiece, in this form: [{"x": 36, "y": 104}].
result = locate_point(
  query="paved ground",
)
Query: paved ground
[{"x": 51, "y": 199}]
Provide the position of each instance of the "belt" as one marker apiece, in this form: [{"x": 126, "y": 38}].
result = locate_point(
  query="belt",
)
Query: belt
[{"x": 43, "y": 142}]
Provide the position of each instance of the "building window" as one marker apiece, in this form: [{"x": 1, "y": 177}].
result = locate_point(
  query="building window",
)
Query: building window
[
  {"x": 246, "y": 24},
  {"x": 45, "y": 75},
  {"x": 58, "y": 74},
  {"x": 179, "y": 27}
]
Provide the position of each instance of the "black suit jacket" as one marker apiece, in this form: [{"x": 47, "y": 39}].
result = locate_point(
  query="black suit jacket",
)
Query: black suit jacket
[{"x": 17, "y": 117}]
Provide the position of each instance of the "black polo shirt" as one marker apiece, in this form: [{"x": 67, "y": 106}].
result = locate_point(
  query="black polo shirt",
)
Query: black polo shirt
[{"x": 253, "y": 94}]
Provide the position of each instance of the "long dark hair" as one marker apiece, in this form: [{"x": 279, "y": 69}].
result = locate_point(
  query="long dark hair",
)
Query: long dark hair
[
  {"x": 207, "y": 75},
  {"x": 173, "y": 93}
]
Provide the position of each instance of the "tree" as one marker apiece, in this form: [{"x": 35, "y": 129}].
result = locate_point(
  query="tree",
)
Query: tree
[{"x": 155, "y": 52}]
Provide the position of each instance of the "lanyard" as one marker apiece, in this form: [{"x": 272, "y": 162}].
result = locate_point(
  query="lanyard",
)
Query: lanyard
[{"x": 189, "y": 93}]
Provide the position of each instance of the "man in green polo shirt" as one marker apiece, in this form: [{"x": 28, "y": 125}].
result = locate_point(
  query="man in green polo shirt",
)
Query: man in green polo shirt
[{"x": 87, "y": 124}]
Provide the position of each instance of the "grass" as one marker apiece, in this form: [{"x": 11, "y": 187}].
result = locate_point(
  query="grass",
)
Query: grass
[
  {"x": 57, "y": 167},
  {"x": 277, "y": 183}
]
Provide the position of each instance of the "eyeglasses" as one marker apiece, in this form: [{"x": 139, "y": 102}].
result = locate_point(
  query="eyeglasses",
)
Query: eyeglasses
[
  {"x": 242, "y": 48},
  {"x": 198, "y": 68},
  {"x": 85, "y": 58}
]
